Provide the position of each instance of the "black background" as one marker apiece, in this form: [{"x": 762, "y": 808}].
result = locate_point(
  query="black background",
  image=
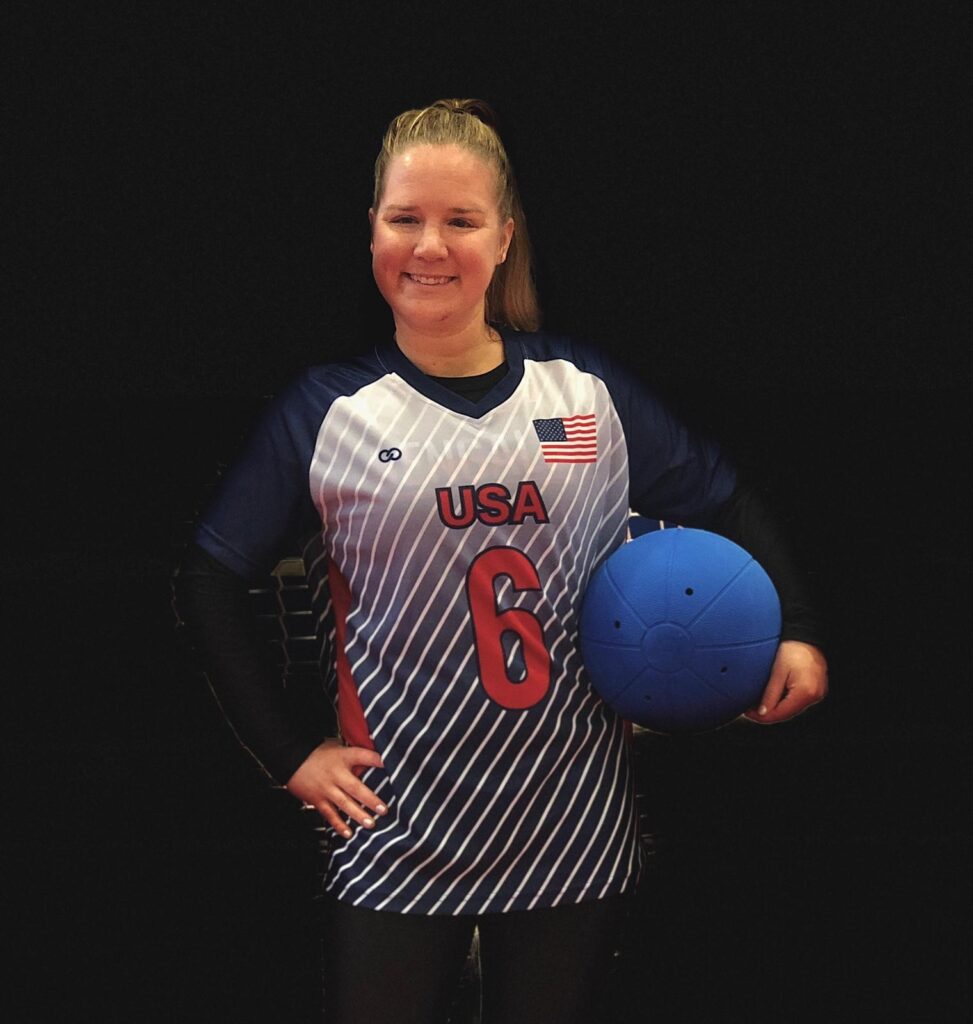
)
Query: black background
[{"x": 754, "y": 204}]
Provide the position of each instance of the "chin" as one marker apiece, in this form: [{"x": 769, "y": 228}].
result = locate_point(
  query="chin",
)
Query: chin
[{"x": 426, "y": 317}]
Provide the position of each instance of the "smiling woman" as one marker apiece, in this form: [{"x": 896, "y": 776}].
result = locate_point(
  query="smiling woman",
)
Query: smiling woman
[{"x": 456, "y": 512}]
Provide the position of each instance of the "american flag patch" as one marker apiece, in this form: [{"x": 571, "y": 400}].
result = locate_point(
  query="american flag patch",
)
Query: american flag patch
[{"x": 568, "y": 438}]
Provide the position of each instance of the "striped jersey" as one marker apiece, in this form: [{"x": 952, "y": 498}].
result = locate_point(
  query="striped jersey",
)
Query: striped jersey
[{"x": 453, "y": 542}]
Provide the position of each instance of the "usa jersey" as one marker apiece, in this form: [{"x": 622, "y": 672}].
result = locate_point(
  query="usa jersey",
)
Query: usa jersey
[{"x": 457, "y": 540}]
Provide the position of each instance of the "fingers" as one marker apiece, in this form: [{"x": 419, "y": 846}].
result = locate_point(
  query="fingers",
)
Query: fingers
[
  {"x": 348, "y": 801},
  {"x": 328, "y": 781},
  {"x": 359, "y": 758},
  {"x": 354, "y": 799},
  {"x": 773, "y": 695},
  {"x": 341, "y": 813},
  {"x": 341, "y": 810},
  {"x": 333, "y": 818},
  {"x": 360, "y": 802},
  {"x": 799, "y": 679},
  {"x": 766, "y": 710}
]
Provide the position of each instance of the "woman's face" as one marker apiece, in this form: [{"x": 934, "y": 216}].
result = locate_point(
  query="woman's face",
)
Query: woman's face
[{"x": 437, "y": 238}]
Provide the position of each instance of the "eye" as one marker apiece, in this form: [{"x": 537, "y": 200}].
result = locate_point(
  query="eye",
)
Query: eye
[
  {"x": 462, "y": 222},
  {"x": 403, "y": 218}
]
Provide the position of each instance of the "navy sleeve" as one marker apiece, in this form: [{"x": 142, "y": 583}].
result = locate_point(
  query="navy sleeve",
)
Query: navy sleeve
[
  {"x": 262, "y": 512},
  {"x": 678, "y": 475},
  {"x": 674, "y": 472},
  {"x": 264, "y": 504}
]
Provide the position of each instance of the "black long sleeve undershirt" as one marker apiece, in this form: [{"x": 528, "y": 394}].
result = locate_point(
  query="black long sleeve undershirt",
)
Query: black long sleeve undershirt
[
  {"x": 745, "y": 519},
  {"x": 215, "y": 607}
]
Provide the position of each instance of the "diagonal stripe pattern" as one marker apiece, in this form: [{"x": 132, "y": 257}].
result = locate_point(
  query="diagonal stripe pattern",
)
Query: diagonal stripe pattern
[{"x": 489, "y": 808}]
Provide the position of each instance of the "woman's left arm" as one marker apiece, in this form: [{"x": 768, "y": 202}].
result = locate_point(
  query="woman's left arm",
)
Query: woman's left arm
[
  {"x": 677, "y": 474},
  {"x": 799, "y": 676}
]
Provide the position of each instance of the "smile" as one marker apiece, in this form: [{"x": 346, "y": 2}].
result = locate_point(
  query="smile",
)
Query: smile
[{"x": 429, "y": 280}]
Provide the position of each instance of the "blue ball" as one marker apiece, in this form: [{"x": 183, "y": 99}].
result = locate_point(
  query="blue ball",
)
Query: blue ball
[{"x": 679, "y": 629}]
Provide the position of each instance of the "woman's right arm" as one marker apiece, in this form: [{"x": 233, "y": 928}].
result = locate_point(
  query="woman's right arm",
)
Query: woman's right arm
[{"x": 213, "y": 603}]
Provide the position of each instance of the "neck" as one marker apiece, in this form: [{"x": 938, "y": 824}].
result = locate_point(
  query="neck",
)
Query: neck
[{"x": 468, "y": 353}]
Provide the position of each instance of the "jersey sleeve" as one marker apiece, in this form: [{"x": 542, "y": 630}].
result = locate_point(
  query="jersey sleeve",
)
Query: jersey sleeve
[
  {"x": 675, "y": 473},
  {"x": 263, "y": 505},
  {"x": 679, "y": 475}
]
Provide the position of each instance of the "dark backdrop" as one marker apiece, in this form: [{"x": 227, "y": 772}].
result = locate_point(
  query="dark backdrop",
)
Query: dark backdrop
[{"x": 753, "y": 204}]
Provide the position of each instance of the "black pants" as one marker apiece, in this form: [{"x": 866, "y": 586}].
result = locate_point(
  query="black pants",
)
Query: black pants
[{"x": 538, "y": 966}]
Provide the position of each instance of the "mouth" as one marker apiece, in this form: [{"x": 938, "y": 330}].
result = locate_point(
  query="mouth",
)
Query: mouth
[{"x": 429, "y": 281}]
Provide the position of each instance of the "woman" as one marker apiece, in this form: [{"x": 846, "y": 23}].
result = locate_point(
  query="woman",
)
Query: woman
[{"x": 462, "y": 481}]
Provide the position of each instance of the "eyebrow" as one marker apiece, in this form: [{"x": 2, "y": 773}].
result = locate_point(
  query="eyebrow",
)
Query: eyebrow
[{"x": 452, "y": 209}]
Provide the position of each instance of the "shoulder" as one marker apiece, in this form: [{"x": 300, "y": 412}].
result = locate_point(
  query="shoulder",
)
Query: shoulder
[
  {"x": 309, "y": 394},
  {"x": 582, "y": 353},
  {"x": 291, "y": 417},
  {"x": 546, "y": 347},
  {"x": 542, "y": 346},
  {"x": 327, "y": 381}
]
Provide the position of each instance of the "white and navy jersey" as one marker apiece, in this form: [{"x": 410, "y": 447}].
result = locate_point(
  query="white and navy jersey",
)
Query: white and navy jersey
[{"x": 457, "y": 540}]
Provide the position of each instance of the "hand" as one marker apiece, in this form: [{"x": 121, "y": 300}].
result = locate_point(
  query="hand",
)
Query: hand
[
  {"x": 327, "y": 781},
  {"x": 798, "y": 679}
]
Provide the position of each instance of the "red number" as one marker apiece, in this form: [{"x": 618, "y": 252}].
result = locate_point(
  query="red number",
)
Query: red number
[{"x": 490, "y": 624}]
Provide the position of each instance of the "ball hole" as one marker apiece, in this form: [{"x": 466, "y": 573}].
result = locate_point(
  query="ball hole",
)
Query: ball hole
[
  {"x": 689, "y": 591},
  {"x": 618, "y": 625},
  {"x": 646, "y": 698},
  {"x": 723, "y": 669}
]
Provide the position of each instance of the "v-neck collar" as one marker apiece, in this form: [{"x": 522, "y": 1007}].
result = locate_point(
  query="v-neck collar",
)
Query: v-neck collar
[
  {"x": 392, "y": 357},
  {"x": 477, "y": 386}
]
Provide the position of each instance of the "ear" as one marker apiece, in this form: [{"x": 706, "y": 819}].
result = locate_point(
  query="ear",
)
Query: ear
[{"x": 506, "y": 234}]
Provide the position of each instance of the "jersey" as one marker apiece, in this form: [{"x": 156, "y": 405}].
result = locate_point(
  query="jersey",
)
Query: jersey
[{"x": 457, "y": 539}]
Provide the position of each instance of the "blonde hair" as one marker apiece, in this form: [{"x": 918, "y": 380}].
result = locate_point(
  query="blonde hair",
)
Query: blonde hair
[{"x": 511, "y": 298}]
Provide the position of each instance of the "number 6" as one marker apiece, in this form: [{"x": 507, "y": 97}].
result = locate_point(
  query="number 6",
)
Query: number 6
[{"x": 489, "y": 625}]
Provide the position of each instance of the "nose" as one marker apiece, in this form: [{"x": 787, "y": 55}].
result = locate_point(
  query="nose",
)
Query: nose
[{"x": 430, "y": 244}]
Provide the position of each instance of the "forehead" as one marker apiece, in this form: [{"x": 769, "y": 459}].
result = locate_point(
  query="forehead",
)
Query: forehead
[{"x": 428, "y": 171}]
